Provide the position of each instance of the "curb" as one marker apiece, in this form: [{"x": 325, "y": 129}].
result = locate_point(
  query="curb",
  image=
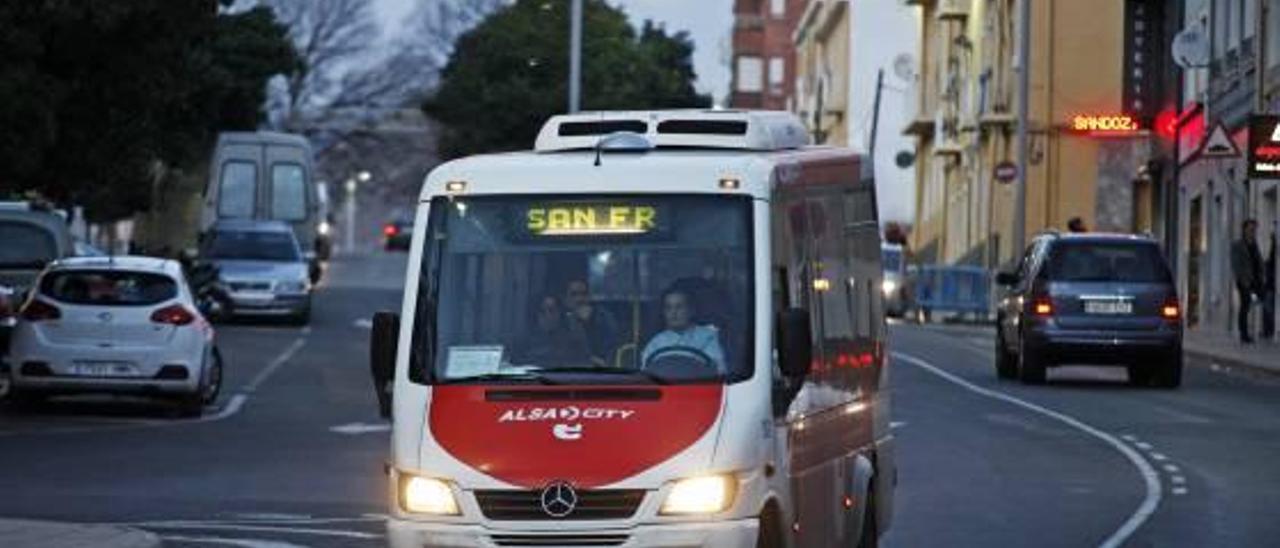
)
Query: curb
[
  {"x": 22, "y": 533},
  {"x": 1231, "y": 361}
]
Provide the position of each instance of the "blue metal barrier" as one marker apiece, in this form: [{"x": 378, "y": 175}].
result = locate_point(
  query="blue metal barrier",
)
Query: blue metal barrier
[{"x": 963, "y": 289}]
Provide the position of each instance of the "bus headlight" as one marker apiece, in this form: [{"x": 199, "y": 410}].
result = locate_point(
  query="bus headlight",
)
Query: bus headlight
[
  {"x": 700, "y": 495},
  {"x": 888, "y": 287},
  {"x": 419, "y": 495}
]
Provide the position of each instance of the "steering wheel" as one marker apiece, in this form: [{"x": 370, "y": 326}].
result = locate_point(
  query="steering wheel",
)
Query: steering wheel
[{"x": 683, "y": 351}]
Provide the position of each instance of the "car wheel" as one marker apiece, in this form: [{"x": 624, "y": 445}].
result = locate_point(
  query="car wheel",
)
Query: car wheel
[
  {"x": 1170, "y": 373},
  {"x": 1139, "y": 375},
  {"x": 1006, "y": 367},
  {"x": 213, "y": 380},
  {"x": 303, "y": 317},
  {"x": 1031, "y": 367}
]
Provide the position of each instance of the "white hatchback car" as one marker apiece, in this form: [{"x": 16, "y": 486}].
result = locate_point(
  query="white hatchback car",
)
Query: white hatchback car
[{"x": 114, "y": 325}]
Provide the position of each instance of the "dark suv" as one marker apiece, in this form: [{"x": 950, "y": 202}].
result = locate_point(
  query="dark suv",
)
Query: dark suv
[{"x": 1095, "y": 299}]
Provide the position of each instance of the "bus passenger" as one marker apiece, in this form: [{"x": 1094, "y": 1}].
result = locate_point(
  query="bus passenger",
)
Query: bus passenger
[{"x": 596, "y": 327}]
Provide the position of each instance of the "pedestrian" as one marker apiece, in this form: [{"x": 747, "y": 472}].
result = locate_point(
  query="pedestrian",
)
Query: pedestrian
[
  {"x": 1076, "y": 224},
  {"x": 1269, "y": 291},
  {"x": 1246, "y": 264}
]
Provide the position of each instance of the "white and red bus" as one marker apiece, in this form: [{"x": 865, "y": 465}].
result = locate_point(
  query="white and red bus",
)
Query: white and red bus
[{"x": 655, "y": 329}]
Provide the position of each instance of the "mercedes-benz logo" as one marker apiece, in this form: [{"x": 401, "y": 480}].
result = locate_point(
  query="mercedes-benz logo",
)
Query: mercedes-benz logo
[{"x": 559, "y": 499}]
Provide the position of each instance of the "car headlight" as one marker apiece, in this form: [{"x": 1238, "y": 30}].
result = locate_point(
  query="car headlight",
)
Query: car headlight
[
  {"x": 419, "y": 495},
  {"x": 291, "y": 287},
  {"x": 700, "y": 495},
  {"x": 888, "y": 286},
  {"x": 324, "y": 228}
]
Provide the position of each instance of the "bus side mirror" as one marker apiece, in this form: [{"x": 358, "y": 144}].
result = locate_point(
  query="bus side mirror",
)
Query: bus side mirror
[
  {"x": 382, "y": 358},
  {"x": 795, "y": 343},
  {"x": 1006, "y": 278}
]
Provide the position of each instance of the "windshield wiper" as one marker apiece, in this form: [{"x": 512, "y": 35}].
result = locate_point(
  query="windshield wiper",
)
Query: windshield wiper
[
  {"x": 649, "y": 375},
  {"x": 518, "y": 377}
]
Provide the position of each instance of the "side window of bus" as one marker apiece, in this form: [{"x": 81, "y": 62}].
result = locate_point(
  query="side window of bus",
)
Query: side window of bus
[
  {"x": 237, "y": 189},
  {"x": 288, "y": 192}
]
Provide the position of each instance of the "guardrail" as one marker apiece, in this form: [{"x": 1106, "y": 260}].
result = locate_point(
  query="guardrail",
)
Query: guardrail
[{"x": 953, "y": 289}]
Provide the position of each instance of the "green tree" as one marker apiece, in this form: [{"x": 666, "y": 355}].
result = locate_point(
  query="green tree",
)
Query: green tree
[
  {"x": 507, "y": 75},
  {"x": 97, "y": 97}
]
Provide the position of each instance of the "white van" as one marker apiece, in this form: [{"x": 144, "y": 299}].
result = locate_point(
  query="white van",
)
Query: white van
[
  {"x": 656, "y": 329},
  {"x": 264, "y": 176}
]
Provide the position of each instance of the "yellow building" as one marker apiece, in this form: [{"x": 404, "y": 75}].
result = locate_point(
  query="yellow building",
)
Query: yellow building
[
  {"x": 965, "y": 125},
  {"x": 823, "y": 94}
]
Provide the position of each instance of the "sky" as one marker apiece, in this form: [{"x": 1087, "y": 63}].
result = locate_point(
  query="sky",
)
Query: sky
[{"x": 878, "y": 38}]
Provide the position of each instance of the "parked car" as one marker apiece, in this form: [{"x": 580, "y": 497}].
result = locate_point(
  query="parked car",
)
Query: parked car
[
  {"x": 114, "y": 325},
  {"x": 31, "y": 239},
  {"x": 261, "y": 268},
  {"x": 398, "y": 233},
  {"x": 1091, "y": 299}
]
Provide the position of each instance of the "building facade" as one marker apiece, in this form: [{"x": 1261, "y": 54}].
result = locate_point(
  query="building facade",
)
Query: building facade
[
  {"x": 763, "y": 65},
  {"x": 1216, "y": 192},
  {"x": 823, "y": 42},
  {"x": 1092, "y": 154}
]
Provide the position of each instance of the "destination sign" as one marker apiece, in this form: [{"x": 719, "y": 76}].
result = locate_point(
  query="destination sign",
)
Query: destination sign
[{"x": 590, "y": 219}]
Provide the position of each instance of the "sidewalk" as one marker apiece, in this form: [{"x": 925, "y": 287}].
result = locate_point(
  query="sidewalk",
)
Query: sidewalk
[
  {"x": 1227, "y": 349},
  {"x": 17, "y": 533}
]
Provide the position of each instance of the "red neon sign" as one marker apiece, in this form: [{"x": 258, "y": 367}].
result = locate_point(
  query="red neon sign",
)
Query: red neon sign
[{"x": 1105, "y": 124}]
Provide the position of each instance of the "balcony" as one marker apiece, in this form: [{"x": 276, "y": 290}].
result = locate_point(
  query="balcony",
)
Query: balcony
[{"x": 953, "y": 10}]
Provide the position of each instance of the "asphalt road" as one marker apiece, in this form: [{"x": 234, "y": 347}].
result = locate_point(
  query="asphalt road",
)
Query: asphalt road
[{"x": 982, "y": 462}]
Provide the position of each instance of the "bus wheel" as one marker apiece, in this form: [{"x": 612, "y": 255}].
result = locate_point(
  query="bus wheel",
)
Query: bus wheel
[
  {"x": 770, "y": 535},
  {"x": 870, "y": 537}
]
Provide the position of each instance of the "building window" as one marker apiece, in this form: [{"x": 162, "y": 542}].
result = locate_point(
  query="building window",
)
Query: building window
[
  {"x": 750, "y": 74},
  {"x": 777, "y": 75},
  {"x": 778, "y": 8}
]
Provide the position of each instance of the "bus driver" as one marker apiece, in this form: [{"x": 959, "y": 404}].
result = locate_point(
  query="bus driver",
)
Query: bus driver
[{"x": 681, "y": 332}]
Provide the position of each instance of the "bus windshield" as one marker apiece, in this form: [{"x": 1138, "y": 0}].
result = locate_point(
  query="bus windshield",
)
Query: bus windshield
[{"x": 642, "y": 289}]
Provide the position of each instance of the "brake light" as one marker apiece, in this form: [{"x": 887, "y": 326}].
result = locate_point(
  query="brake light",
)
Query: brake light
[
  {"x": 1042, "y": 306},
  {"x": 389, "y": 230},
  {"x": 173, "y": 315},
  {"x": 1170, "y": 310},
  {"x": 37, "y": 310}
]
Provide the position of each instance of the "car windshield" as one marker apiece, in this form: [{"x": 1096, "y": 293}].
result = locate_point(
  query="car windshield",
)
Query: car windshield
[
  {"x": 1107, "y": 262},
  {"x": 638, "y": 289},
  {"x": 252, "y": 246},
  {"x": 25, "y": 245},
  {"x": 108, "y": 287}
]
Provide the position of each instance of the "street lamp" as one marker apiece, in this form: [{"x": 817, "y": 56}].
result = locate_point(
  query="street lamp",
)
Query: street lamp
[{"x": 351, "y": 186}]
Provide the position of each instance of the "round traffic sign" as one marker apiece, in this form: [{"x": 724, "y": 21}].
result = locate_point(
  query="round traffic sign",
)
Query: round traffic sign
[{"x": 1005, "y": 172}]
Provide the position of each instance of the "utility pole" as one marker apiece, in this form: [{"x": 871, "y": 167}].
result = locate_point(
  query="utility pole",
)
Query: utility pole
[
  {"x": 875, "y": 116},
  {"x": 1024, "y": 97},
  {"x": 575, "y": 56},
  {"x": 1259, "y": 85}
]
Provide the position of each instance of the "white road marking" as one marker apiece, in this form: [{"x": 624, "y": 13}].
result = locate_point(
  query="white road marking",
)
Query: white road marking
[
  {"x": 1150, "y": 477},
  {"x": 1171, "y": 468},
  {"x": 363, "y": 323},
  {"x": 1143, "y": 446},
  {"x": 897, "y": 424},
  {"x": 1159, "y": 456},
  {"x": 306, "y": 330},
  {"x": 1130, "y": 437},
  {"x": 241, "y": 542},
  {"x": 275, "y": 364},
  {"x": 1178, "y": 480},
  {"x": 356, "y": 428},
  {"x": 1179, "y": 491},
  {"x": 271, "y": 529}
]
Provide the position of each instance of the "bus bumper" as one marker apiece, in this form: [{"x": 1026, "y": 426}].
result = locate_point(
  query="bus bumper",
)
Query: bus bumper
[{"x": 719, "y": 534}]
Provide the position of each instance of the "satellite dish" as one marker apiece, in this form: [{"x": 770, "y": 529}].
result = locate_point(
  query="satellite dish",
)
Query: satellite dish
[
  {"x": 1191, "y": 47},
  {"x": 904, "y": 159},
  {"x": 904, "y": 66}
]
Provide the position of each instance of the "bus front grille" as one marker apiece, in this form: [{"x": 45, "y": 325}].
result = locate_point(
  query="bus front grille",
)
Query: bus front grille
[{"x": 526, "y": 505}]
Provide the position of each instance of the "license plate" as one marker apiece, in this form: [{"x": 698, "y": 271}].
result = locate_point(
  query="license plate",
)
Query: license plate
[
  {"x": 1108, "y": 307},
  {"x": 104, "y": 369}
]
